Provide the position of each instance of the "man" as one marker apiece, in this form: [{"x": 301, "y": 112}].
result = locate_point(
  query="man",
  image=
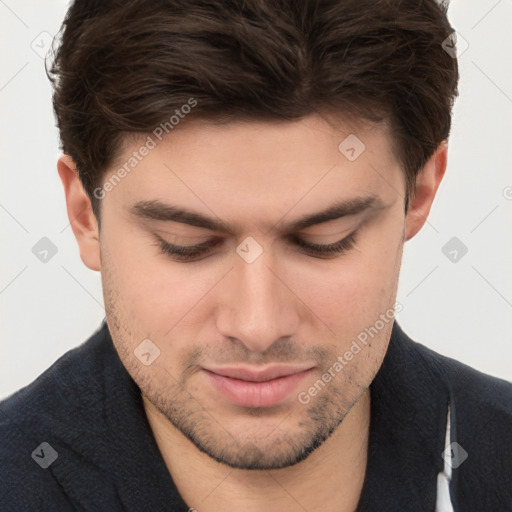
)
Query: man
[{"x": 244, "y": 176}]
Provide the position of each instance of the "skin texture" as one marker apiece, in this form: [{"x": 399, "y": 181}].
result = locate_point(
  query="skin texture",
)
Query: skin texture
[{"x": 285, "y": 307}]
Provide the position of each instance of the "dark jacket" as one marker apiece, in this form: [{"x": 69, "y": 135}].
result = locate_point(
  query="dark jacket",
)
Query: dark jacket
[{"x": 83, "y": 419}]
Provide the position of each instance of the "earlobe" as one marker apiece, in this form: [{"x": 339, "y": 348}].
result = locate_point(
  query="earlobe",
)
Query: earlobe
[
  {"x": 427, "y": 183},
  {"x": 81, "y": 217}
]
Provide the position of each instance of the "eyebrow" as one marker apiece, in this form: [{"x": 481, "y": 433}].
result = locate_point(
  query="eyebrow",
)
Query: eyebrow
[{"x": 157, "y": 210}]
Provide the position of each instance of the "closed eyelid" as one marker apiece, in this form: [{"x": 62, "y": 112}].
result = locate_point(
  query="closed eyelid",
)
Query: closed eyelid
[
  {"x": 325, "y": 232},
  {"x": 332, "y": 229},
  {"x": 200, "y": 251},
  {"x": 198, "y": 241},
  {"x": 197, "y": 233}
]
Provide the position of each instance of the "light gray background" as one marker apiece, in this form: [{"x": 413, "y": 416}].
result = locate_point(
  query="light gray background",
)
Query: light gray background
[{"x": 461, "y": 309}]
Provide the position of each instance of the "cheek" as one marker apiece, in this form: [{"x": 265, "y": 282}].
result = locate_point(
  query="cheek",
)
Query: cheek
[
  {"x": 153, "y": 293},
  {"x": 354, "y": 290}
]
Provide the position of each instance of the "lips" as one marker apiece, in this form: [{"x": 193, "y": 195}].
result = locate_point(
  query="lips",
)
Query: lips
[{"x": 249, "y": 387}]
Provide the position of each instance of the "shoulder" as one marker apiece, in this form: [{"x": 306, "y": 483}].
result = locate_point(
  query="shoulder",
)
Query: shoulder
[
  {"x": 47, "y": 396},
  {"x": 30, "y": 418},
  {"x": 474, "y": 390},
  {"x": 481, "y": 424}
]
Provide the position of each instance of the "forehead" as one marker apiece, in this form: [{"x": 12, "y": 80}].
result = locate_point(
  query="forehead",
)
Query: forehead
[
  {"x": 314, "y": 138},
  {"x": 253, "y": 168}
]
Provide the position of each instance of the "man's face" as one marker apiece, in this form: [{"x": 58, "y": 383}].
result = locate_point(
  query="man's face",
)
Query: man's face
[{"x": 243, "y": 311}]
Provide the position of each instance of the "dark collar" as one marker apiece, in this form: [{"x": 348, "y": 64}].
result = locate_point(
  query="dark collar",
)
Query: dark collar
[
  {"x": 409, "y": 401},
  {"x": 117, "y": 441}
]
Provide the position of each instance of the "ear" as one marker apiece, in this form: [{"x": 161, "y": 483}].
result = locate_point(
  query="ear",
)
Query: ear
[
  {"x": 81, "y": 217},
  {"x": 427, "y": 183}
]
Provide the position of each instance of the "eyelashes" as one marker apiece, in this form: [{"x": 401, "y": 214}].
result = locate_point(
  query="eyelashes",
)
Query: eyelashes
[
  {"x": 190, "y": 253},
  {"x": 326, "y": 250},
  {"x": 187, "y": 252}
]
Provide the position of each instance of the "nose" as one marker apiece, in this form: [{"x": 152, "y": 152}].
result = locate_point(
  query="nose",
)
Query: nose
[{"x": 258, "y": 306}]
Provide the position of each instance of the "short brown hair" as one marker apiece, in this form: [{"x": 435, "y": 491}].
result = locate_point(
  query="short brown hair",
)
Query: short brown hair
[{"x": 127, "y": 65}]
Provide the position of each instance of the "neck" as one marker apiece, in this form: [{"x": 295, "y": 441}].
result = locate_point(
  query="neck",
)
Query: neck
[{"x": 330, "y": 479}]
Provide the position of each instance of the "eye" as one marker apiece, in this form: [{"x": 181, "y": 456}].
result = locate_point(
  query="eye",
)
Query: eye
[
  {"x": 191, "y": 253},
  {"x": 326, "y": 250},
  {"x": 187, "y": 252}
]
